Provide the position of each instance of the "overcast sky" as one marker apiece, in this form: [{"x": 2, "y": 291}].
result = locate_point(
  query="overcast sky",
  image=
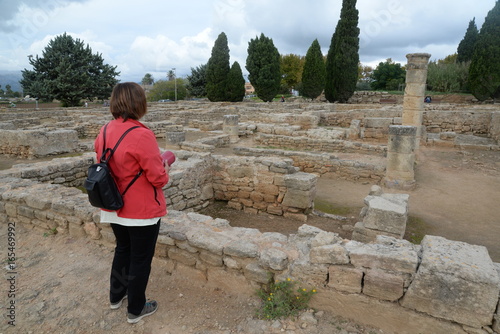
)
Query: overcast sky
[{"x": 154, "y": 36}]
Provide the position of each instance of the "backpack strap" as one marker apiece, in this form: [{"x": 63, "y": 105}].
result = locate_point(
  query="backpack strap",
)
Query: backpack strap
[{"x": 111, "y": 151}]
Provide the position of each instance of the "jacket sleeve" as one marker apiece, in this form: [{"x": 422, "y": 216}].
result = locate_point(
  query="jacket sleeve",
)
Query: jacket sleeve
[{"x": 149, "y": 158}]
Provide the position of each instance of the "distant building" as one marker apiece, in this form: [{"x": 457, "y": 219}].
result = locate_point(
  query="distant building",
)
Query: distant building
[{"x": 249, "y": 90}]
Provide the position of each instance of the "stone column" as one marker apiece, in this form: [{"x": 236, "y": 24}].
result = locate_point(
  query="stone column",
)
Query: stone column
[
  {"x": 400, "y": 172},
  {"x": 231, "y": 127},
  {"x": 413, "y": 103}
]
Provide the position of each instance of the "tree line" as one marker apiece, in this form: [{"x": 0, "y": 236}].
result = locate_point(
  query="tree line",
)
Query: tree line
[{"x": 69, "y": 71}]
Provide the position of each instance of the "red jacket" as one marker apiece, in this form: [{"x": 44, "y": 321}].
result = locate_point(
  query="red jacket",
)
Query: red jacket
[{"x": 138, "y": 150}]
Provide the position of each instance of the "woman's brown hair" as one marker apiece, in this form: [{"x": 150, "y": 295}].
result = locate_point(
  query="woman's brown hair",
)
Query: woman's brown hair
[{"x": 128, "y": 100}]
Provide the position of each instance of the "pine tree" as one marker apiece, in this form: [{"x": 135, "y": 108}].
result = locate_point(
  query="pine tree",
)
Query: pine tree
[
  {"x": 484, "y": 70},
  {"x": 235, "y": 84},
  {"x": 198, "y": 81},
  {"x": 263, "y": 65},
  {"x": 313, "y": 76},
  {"x": 343, "y": 57},
  {"x": 465, "y": 49},
  {"x": 69, "y": 72},
  {"x": 218, "y": 69}
]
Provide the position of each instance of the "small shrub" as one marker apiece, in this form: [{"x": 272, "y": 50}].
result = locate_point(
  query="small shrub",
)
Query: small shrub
[
  {"x": 280, "y": 300},
  {"x": 50, "y": 232}
]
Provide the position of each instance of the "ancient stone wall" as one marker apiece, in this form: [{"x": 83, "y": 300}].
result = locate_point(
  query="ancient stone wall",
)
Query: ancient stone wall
[
  {"x": 365, "y": 97},
  {"x": 440, "y": 286},
  {"x": 70, "y": 171},
  {"x": 321, "y": 163},
  {"x": 463, "y": 122},
  {"x": 30, "y": 144},
  {"x": 270, "y": 185},
  {"x": 317, "y": 145}
]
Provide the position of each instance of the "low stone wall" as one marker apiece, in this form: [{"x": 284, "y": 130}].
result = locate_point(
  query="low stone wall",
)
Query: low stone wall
[
  {"x": 362, "y": 97},
  {"x": 440, "y": 286},
  {"x": 37, "y": 143},
  {"x": 317, "y": 145},
  {"x": 270, "y": 185},
  {"x": 321, "y": 163},
  {"x": 70, "y": 172},
  {"x": 299, "y": 118},
  {"x": 463, "y": 122}
]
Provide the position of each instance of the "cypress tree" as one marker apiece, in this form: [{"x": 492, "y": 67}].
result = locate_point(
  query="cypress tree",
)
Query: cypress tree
[
  {"x": 218, "y": 69},
  {"x": 263, "y": 65},
  {"x": 313, "y": 76},
  {"x": 484, "y": 70},
  {"x": 343, "y": 57},
  {"x": 235, "y": 84},
  {"x": 465, "y": 49}
]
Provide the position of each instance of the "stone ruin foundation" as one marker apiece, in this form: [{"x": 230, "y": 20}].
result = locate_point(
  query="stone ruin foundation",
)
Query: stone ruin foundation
[{"x": 377, "y": 279}]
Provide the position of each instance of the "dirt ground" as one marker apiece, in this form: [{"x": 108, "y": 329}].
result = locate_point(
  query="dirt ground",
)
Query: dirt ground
[{"x": 62, "y": 283}]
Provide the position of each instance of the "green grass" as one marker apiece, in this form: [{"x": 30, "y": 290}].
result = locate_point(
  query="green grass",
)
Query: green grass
[
  {"x": 327, "y": 207},
  {"x": 416, "y": 229}
]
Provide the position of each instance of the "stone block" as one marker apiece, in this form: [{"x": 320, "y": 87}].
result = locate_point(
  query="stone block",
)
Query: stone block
[
  {"x": 400, "y": 256},
  {"x": 254, "y": 272},
  {"x": 387, "y": 214},
  {"x": 165, "y": 240},
  {"x": 212, "y": 259},
  {"x": 329, "y": 254},
  {"x": 274, "y": 210},
  {"x": 378, "y": 122},
  {"x": 208, "y": 240},
  {"x": 383, "y": 285},
  {"x": 312, "y": 274},
  {"x": 11, "y": 210},
  {"x": 301, "y": 181},
  {"x": 92, "y": 230},
  {"x": 231, "y": 263},
  {"x": 25, "y": 212},
  {"x": 298, "y": 198},
  {"x": 184, "y": 245},
  {"x": 366, "y": 235},
  {"x": 325, "y": 238},
  {"x": 273, "y": 258},
  {"x": 241, "y": 248},
  {"x": 346, "y": 279},
  {"x": 267, "y": 189},
  {"x": 182, "y": 256},
  {"x": 455, "y": 281}
]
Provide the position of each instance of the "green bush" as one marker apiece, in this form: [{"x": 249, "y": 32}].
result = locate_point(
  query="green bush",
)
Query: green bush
[
  {"x": 448, "y": 78},
  {"x": 279, "y": 300}
]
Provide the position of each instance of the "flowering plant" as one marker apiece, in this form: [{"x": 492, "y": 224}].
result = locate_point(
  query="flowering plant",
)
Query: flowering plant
[{"x": 280, "y": 299}]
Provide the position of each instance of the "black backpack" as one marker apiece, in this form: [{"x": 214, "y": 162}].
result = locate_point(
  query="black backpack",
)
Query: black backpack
[{"x": 100, "y": 185}]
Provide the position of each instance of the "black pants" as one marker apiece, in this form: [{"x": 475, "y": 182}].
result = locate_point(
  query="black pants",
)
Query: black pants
[{"x": 135, "y": 247}]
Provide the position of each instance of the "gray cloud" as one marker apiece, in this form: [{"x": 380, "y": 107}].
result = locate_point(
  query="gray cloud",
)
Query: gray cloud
[{"x": 9, "y": 9}]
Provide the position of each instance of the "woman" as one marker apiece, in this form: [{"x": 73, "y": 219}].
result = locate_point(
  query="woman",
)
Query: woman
[{"x": 137, "y": 223}]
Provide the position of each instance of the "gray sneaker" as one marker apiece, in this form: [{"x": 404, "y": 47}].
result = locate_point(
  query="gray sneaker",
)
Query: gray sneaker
[
  {"x": 149, "y": 308},
  {"x": 115, "y": 306}
]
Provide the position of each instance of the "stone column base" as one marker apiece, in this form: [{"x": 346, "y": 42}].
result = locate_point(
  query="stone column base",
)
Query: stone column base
[{"x": 400, "y": 184}]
